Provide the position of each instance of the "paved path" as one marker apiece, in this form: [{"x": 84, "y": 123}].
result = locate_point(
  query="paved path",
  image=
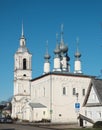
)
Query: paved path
[
  {"x": 20, "y": 127},
  {"x": 42, "y": 126},
  {"x": 54, "y": 126}
]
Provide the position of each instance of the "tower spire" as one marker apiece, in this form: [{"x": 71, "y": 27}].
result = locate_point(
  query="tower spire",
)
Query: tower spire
[
  {"x": 56, "y": 38},
  {"x": 22, "y": 39},
  {"x": 62, "y": 32},
  {"x": 22, "y": 30},
  {"x": 77, "y": 54},
  {"x": 63, "y": 52},
  {"x": 57, "y": 51},
  {"x": 46, "y": 57},
  {"x": 77, "y": 64},
  {"x": 77, "y": 42},
  {"x": 47, "y": 47}
]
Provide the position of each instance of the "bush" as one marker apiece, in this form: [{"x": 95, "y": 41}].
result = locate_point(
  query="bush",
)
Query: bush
[
  {"x": 25, "y": 120},
  {"x": 97, "y": 124},
  {"x": 45, "y": 120}
]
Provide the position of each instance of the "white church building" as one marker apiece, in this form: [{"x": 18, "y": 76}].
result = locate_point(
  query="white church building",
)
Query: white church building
[{"x": 58, "y": 96}]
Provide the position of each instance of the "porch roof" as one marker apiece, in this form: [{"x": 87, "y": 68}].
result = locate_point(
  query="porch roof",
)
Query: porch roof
[{"x": 37, "y": 105}]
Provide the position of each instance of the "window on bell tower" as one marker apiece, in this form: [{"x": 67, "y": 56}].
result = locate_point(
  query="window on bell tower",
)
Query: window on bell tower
[{"x": 24, "y": 64}]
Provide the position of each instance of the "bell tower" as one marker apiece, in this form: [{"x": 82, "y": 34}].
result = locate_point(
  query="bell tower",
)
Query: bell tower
[
  {"x": 22, "y": 69},
  {"x": 22, "y": 77}
]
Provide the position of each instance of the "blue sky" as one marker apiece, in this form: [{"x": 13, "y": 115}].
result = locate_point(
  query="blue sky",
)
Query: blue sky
[{"x": 42, "y": 20}]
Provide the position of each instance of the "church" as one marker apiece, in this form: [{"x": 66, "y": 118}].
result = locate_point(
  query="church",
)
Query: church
[{"x": 58, "y": 96}]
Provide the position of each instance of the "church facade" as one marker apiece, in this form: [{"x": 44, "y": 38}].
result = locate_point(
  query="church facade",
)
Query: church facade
[{"x": 55, "y": 96}]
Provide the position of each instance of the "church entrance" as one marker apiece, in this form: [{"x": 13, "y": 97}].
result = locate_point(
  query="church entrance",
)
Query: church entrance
[{"x": 81, "y": 122}]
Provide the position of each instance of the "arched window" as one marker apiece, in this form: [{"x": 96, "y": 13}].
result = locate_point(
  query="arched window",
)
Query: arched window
[
  {"x": 24, "y": 64},
  {"x": 64, "y": 91},
  {"x": 83, "y": 92},
  {"x": 74, "y": 91}
]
